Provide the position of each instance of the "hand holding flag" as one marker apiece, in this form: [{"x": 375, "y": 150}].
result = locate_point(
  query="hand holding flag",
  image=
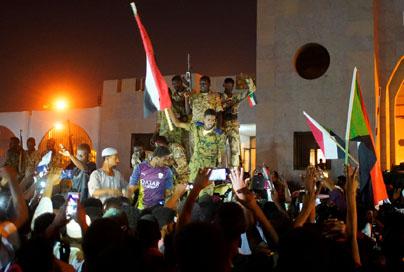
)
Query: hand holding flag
[{"x": 252, "y": 99}]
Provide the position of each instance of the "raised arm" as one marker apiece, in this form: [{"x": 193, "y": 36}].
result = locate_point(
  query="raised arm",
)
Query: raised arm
[
  {"x": 20, "y": 206},
  {"x": 248, "y": 200},
  {"x": 309, "y": 199},
  {"x": 177, "y": 122},
  {"x": 351, "y": 217},
  {"x": 201, "y": 181},
  {"x": 79, "y": 164}
]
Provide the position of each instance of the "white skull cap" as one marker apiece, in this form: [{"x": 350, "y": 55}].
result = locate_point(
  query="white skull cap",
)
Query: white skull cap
[{"x": 109, "y": 151}]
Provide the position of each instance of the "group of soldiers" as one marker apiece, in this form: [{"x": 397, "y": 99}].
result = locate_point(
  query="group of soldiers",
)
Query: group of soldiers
[{"x": 204, "y": 122}]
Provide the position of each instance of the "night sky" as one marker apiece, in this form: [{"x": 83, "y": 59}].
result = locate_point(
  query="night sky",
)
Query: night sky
[{"x": 68, "y": 47}]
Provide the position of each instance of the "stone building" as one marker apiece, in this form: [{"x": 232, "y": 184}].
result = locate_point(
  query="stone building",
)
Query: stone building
[{"x": 306, "y": 53}]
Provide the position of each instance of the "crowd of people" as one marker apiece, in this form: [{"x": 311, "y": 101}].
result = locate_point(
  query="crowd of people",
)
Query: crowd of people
[{"x": 171, "y": 216}]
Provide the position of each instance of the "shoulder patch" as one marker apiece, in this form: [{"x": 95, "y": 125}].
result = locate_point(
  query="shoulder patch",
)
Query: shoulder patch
[
  {"x": 218, "y": 131},
  {"x": 199, "y": 124}
]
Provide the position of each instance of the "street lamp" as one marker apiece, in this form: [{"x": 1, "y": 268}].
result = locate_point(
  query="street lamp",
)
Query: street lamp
[
  {"x": 61, "y": 104},
  {"x": 58, "y": 126}
]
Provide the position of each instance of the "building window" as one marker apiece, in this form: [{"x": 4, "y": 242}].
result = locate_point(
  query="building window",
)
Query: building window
[
  {"x": 306, "y": 151},
  {"x": 312, "y": 61}
]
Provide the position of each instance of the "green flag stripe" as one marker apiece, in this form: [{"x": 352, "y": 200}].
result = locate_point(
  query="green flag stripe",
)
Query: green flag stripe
[{"x": 358, "y": 121}]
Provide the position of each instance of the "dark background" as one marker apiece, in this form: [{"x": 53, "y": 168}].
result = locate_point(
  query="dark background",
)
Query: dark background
[{"x": 51, "y": 48}]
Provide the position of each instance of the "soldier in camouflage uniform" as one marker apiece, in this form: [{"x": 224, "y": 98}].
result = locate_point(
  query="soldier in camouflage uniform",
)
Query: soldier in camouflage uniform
[
  {"x": 208, "y": 143},
  {"x": 178, "y": 159},
  {"x": 13, "y": 154},
  {"x": 200, "y": 102},
  {"x": 231, "y": 125},
  {"x": 206, "y": 99},
  {"x": 179, "y": 100}
]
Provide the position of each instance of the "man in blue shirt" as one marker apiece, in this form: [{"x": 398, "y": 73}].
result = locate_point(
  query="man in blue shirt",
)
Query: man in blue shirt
[{"x": 153, "y": 179}]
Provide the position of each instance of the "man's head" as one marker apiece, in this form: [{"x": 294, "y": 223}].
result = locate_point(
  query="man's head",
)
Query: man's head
[
  {"x": 274, "y": 176},
  {"x": 161, "y": 155},
  {"x": 31, "y": 143},
  {"x": 83, "y": 152},
  {"x": 204, "y": 84},
  {"x": 209, "y": 118},
  {"x": 160, "y": 141},
  {"x": 110, "y": 156},
  {"x": 14, "y": 143},
  {"x": 228, "y": 84},
  {"x": 50, "y": 144},
  {"x": 177, "y": 83}
]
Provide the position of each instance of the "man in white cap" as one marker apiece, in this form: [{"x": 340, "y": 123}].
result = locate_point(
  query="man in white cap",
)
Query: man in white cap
[{"x": 107, "y": 182}]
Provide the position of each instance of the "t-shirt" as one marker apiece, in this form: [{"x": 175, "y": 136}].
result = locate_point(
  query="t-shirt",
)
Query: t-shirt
[
  {"x": 153, "y": 183},
  {"x": 100, "y": 180},
  {"x": 81, "y": 178}
]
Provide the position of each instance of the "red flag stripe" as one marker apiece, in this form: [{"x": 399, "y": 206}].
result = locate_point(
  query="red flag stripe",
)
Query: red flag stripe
[{"x": 165, "y": 101}]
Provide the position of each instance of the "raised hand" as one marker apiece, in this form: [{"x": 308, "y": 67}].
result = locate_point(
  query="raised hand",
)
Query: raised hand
[
  {"x": 251, "y": 85},
  {"x": 202, "y": 179},
  {"x": 240, "y": 186},
  {"x": 352, "y": 181},
  {"x": 63, "y": 151}
]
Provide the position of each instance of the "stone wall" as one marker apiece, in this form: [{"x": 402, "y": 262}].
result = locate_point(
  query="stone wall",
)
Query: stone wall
[{"x": 345, "y": 29}]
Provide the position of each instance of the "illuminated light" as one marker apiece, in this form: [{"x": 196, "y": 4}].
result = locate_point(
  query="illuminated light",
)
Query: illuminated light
[
  {"x": 61, "y": 105},
  {"x": 58, "y": 126}
]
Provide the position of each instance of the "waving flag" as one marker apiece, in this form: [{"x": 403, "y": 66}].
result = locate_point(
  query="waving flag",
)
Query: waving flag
[
  {"x": 325, "y": 140},
  {"x": 156, "y": 95},
  {"x": 372, "y": 187},
  {"x": 252, "y": 98}
]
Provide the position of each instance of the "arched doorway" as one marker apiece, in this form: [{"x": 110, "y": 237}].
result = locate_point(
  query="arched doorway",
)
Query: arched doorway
[
  {"x": 5, "y": 135},
  {"x": 399, "y": 125},
  {"x": 60, "y": 132}
]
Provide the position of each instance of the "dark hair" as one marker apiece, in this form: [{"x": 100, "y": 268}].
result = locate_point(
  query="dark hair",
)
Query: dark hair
[
  {"x": 209, "y": 112},
  {"x": 92, "y": 202},
  {"x": 161, "y": 151},
  {"x": 228, "y": 80},
  {"x": 58, "y": 201},
  {"x": 163, "y": 215},
  {"x": 14, "y": 139},
  {"x": 85, "y": 147},
  {"x": 103, "y": 239},
  {"x": 210, "y": 244},
  {"x": 205, "y": 78},
  {"x": 31, "y": 139},
  {"x": 176, "y": 78},
  {"x": 160, "y": 140},
  {"x": 230, "y": 217},
  {"x": 41, "y": 223}
]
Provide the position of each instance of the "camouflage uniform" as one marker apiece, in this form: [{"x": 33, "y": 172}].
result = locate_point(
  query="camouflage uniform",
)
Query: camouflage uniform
[
  {"x": 177, "y": 135},
  {"x": 200, "y": 102},
  {"x": 13, "y": 159},
  {"x": 208, "y": 149},
  {"x": 231, "y": 124},
  {"x": 179, "y": 163}
]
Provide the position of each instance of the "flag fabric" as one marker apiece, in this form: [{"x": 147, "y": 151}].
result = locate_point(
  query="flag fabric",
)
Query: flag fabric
[
  {"x": 252, "y": 99},
  {"x": 156, "y": 94},
  {"x": 326, "y": 141},
  {"x": 372, "y": 187},
  {"x": 42, "y": 166}
]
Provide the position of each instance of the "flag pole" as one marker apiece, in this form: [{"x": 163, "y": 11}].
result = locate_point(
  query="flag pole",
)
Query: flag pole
[
  {"x": 348, "y": 122},
  {"x": 170, "y": 124},
  {"x": 342, "y": 148}
]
